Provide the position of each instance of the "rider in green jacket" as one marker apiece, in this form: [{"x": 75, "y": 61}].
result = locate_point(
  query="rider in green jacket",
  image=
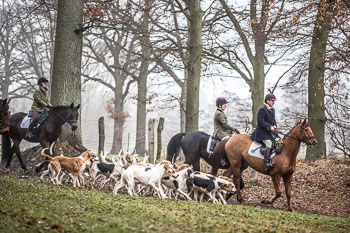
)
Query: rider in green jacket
[
  {"x": 221, "y": 128},
  {"x": 41, "y": 102}
]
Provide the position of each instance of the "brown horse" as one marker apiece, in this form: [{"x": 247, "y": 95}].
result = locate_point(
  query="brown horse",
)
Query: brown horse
[{"x": 285, "y": 162}]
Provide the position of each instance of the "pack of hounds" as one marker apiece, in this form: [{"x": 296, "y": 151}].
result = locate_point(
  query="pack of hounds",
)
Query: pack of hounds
[{"x": 163, "y": 179}]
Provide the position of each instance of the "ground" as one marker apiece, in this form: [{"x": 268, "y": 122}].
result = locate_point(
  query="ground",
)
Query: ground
[{"x": 320, "y": 187}]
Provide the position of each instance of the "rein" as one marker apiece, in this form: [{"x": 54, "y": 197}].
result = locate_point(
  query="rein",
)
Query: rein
[
  {"x": 59, "y": 116},
  {"x": 298, "y": 139}
]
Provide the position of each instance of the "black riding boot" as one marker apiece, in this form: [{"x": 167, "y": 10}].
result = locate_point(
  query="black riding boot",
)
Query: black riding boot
[{"x": 268, "y": 164}]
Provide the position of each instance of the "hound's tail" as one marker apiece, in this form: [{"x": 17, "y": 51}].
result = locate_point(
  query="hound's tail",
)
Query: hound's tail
[
  {"x": 47, "y": 152},
  {"x": 173, "y": 148}
]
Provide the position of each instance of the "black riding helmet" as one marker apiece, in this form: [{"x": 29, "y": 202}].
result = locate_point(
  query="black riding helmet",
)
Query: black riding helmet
[
  {"x": 42, "y": 80},
  {"x": 220, "y": 101}
]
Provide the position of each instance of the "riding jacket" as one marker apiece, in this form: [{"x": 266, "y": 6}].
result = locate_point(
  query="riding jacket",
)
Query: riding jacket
[
  {"x": 41, "y": 100},
  {"x": 266, "y": 119},
  {"x": 221, "y": 127}
]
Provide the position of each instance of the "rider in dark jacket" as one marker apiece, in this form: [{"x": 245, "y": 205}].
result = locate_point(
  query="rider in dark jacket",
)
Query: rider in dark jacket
[{"x": 266, "y": 125}]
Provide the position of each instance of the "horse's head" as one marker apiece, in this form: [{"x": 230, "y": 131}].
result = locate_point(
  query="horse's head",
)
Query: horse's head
[
  {"x": 72, "y": 116},
  {"x": 4, "y": 113},
  {"x": 306, "y": 135}
]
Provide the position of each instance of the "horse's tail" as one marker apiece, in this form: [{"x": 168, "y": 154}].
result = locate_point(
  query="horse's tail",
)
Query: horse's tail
[
  {"x": 173, "y": 148},
  {"x": 44, "y": 152},
  {"x": 5, "y": 148}
]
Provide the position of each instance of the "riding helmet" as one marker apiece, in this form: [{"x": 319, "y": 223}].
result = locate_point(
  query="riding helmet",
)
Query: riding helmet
[
  {"x": 220, "y": 101},
  {"x": 270, "y": 96},
  {"x": 42, "y": 80}
]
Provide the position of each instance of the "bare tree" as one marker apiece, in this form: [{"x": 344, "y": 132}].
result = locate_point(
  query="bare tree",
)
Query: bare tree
[{"x": 114, "y": 50}]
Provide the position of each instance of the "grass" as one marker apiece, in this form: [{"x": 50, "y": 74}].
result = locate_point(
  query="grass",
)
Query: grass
[{"x": 26, "y": 205}]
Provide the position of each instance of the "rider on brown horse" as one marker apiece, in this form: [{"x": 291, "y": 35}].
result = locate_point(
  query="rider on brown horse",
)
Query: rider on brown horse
[
  {"x": 266, "y": 125},
  {"x": 40, "y": 103}
]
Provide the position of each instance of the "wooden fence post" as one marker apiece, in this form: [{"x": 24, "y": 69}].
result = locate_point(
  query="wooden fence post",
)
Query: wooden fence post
[
  {"x": 151, "y": 139},
  {"x": 101, "y": 136},
  {"x": 159, "y": 137}
]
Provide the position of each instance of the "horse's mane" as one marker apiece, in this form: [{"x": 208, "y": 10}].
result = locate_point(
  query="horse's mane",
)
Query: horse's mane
[
  {"x": 298, "y": 123},
  {"x": 58, "y": 108}
]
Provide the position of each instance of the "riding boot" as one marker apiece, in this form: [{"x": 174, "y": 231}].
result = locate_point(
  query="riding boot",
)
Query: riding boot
[
  {"x": 29, "y": 133},
  {"x": 268, "y": 164}
]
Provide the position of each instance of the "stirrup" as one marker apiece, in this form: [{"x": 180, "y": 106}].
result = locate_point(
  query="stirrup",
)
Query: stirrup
[
  {"x": 29, "y": 135},
  {"x": 268, "y": 165}
]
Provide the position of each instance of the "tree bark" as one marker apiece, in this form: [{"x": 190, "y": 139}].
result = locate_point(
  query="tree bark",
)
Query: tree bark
[
  {"x": 142, "y": 80},
  {"x": 66, "y": 79},
  {"x": 119, "y": 117},
  {"x": 316, "y": 92},
  {"x": 194, "y": 64}
]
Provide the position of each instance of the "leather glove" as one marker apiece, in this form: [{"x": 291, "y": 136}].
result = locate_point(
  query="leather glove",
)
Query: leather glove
[{"x": 49, "y": 107}]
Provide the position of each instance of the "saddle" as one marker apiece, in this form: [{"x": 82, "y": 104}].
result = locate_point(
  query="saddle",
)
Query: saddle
[
  {"x": 29, "y": 118},
  {"x": 211, "y": 144}
]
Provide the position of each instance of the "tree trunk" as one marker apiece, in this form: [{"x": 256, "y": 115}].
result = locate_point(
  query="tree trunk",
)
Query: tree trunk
[
  {"x": 194, "y": 65},
  {"x": 66, "y": 80},
  {"x": 142, "y": 81},
  {"x": 118, "y": 117},
  {"x": 259, "y": 84},
  {"x": 316, "y": 92},
  {"x": 141, "y": 114},
  {"x": 183, "y": 105}
]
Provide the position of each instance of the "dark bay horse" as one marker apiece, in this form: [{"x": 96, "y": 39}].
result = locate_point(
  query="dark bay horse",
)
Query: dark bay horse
[
  {"x": 194, "y": 147},
  {"x": 285, "y": 162},
  {"x": 48, "y": 132}
]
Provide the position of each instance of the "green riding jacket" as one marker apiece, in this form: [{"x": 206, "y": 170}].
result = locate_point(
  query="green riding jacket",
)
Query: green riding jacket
[
  {"x": 221, "y": 127},
  {"x": 41, "y": 100}
]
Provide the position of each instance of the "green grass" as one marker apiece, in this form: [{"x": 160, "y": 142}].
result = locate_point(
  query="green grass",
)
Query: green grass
[{"x": 31, "y": 206}]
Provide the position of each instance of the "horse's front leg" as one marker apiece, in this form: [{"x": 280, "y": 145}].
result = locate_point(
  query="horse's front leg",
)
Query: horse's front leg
[
  {"x": 214, "y": 170},
  {"x": 287, "y": 185},
  {"x": 237, "y": 180},
  {"x": 196, "y": 165},
  {"x": 17, "y": 150},
  {"x": 8, "y": 162},
  {"x": 276, "y": 179}
]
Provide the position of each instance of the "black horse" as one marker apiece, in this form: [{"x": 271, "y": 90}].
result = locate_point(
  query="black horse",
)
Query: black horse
[
  {"x": 48, "y": 132},
  {"x": 194, "y": 146}
]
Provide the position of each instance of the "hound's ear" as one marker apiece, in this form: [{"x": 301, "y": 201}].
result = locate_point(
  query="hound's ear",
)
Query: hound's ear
[
  {"x": 72, "y": 105},
  {"x": 78, "y": 106}
]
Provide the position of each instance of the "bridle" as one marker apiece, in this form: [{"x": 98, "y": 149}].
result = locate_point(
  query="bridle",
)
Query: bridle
[
  {"x": 304, "y": 140},
  {"x": 62, "y": 118}
]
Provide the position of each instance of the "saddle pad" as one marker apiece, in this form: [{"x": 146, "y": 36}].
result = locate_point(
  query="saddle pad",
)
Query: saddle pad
[
  {"x": 254, "y": 150},
  {"x": 26, "y": 122},
  {"x": 208, "y": 145}
]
